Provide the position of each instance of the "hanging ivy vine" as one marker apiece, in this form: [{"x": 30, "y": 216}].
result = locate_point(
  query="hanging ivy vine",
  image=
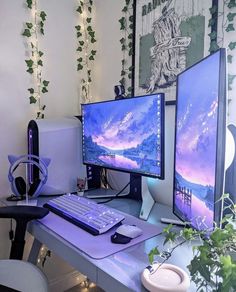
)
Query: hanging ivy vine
[
  {"x": 86, "y": 52},
  {"x": 228, "y": 26},
  {"x": 35, "y": 62},
  {"x": 127, "y": 45}
]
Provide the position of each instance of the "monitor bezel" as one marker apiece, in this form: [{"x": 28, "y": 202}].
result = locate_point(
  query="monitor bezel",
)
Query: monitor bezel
[
  {"x": 220, "y": 138},
  {"x": 162, "y": 166}
]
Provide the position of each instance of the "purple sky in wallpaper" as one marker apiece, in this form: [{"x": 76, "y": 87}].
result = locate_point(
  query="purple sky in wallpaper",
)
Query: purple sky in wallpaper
[
  {"x": 197, "y": 122},
  {"x": 121, "y": 124}
]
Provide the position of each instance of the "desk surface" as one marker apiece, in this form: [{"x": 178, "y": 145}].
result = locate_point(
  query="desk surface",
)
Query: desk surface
[{"x": 121, "y": 271}]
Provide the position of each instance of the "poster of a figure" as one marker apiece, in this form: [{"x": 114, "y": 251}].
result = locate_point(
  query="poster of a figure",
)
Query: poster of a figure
[{"x": 170, "y": 35}]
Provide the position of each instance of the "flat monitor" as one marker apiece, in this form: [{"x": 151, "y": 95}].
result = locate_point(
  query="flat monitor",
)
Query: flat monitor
[
  {"x": 200, "y": 142},
  {"x": 126, "y": 135}
]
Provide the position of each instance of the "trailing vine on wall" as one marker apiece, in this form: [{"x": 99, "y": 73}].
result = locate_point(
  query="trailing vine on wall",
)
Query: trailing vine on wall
[
  {"x": 127, "y": 45},
  {"x": 86, "y": 52},
  {"x": 228, "y": 26},
  {"x": 34, "y": 64}
]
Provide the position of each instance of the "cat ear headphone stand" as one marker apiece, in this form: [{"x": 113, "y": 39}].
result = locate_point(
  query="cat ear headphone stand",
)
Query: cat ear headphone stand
[{"x": 18, "y": 184}]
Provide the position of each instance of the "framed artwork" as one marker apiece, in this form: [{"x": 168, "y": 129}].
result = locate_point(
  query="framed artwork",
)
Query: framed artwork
[{"x": 170, "y": 36}]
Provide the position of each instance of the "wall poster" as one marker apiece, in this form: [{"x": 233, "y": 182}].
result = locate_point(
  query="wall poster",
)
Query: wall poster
[{"x": 170, "y": 36}]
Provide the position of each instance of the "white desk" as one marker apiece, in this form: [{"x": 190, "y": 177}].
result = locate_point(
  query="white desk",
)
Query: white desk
[{"x": 118, "y": 272}]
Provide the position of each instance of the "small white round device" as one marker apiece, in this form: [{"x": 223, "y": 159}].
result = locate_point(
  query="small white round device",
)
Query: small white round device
[{"x": 165, "y": 278}]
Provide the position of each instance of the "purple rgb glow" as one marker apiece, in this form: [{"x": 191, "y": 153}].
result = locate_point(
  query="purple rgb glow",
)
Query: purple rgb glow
[
  {"x": 125, "y": 134},
  {"x": 196, "y": 142}
]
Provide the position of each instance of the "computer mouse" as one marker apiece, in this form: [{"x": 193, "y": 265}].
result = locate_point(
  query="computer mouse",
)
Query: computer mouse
[{"x": 125, "y": 232}]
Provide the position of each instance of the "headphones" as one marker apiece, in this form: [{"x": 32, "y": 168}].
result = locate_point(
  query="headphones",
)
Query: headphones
[{"x": 18, "y": 184}]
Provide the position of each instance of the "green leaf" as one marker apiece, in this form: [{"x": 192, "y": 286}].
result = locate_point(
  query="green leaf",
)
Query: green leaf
[
  {"x": 122, "y": 22},
  {"x": 230, "y": 59},
  {"x": 122, "y": 41},
  {"x": 43, "y": 15},
  {"x": 232, "y": 45},
  {"x": 230, "y": 81},
  {"x": 151, "y": 255},
  {"x": 91, "y": 2},
  {"x": 79, "y": 34},
  {"x": 45, "y": 83},
  {"x": 29, "y": 63},
  {"x": 40, "y": 62},
  {"x": 211, "y": 22},
  {"x": 79, "y": 49},
  {"x": 31, "y": 90},
  {"x": 91, "y": 58},
  {"x": 79, "y": 67},
  {"x": 81, "y": 43},
  {"x": 89, "y": 28},
  {"x": 122, "y": 73},
  {"x": 40, "y": 53},
  {"x": 90, "y": 9},
  {"x": 29, "y": 25},
  {"x": 131, "y": 18},
  {"x": 30, "y": 70},
  {"x": 125, "y": 9},
  {"x": 213, "y": 46},
  {"x": 93, "y": 52},
  {"x": 44, "y": 90},
  {"x": 42, "y": 31},
  {"x": 231, "y": 4},
  {"x": 231, "y": 16},
  {"x": 78, "y": 27},
  {"x": 92, "y": 34},
  {"x": 213, "y": 9},
  {"x": 130, "y": 36},
  {"x": 213, "y": 35},
  {"x": 79, "y": 9},
  {"x": 93, "y": 40},
  {"x": 32, "y": 99},
  {"x": 123, "y": 47},
  {"x": 127, "y": 2},
  {"x": 26, "y": 33},
  {"x": 29, "y": 3},
  {"x": 88, "y": 19},
  {"x": 230, "y": 27},
  {"x": 80, "y": 59}
]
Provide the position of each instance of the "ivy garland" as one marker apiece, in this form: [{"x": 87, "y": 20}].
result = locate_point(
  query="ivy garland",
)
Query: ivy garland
[
  {"x": 34, "y": 63},
  {"x": 228, "y": 26},
  {"x": 127, "y": 45},
  {"x": 86, "y": 39}
]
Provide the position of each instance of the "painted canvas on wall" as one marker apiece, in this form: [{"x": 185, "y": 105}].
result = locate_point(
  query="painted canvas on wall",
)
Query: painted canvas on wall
[{"x": 170, "y": 36}]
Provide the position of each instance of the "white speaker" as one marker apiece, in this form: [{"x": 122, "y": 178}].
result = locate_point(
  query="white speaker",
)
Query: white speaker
[{"x": 59, "y": 139}]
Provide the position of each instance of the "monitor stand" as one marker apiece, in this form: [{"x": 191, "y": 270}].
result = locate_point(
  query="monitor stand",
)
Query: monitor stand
[{"x": 139, "y": 191}]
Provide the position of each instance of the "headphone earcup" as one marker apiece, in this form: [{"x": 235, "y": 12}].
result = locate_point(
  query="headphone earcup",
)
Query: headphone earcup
[
  {"x": 34, "y": 187},
  {"x": 20, "y": 186}
]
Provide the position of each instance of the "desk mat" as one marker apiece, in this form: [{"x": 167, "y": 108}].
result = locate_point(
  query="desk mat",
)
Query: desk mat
[{"x": 97, "y": 246}]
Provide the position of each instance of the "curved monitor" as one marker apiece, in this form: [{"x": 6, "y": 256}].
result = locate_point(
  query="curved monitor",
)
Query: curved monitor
[
  {"x": 125, "y": 134},
  {"x": 200, "y": 142}
]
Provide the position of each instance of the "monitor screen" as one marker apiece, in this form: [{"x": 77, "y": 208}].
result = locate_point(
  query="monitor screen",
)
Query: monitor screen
[
  {"x": 125, "y": 134},
  {"x": 200, "y": 141}
]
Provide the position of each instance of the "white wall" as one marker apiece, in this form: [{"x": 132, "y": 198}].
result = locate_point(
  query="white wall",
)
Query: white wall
[{"x": 58, "y": 45}]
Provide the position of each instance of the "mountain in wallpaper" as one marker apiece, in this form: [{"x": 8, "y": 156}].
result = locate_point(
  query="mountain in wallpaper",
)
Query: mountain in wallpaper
[{"x": 143, "y": 156}]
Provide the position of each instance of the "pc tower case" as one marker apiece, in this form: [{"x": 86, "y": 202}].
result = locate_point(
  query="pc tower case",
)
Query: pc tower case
[{"x": 60, "y": 140}]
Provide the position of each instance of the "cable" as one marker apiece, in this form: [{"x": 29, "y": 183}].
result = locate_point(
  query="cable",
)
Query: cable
[{"x": 111, "y": 199}]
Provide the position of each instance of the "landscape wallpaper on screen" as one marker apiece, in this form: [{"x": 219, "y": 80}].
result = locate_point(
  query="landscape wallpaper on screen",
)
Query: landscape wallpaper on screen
[
  {"x": 124, "y": 134},
  {"x": 196, "y": 143}
]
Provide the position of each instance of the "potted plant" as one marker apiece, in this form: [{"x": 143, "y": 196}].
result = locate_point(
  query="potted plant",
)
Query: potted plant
[{"x": 213, "y": 266}]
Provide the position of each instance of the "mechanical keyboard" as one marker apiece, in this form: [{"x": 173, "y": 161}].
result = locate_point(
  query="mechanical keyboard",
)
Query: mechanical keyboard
[{"x": 85, "y": 213}]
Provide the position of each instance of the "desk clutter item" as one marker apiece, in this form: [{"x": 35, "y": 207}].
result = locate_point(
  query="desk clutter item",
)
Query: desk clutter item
[
  {"x": 85, "y": 213},
  {"x": 165, "y": 278},
  {"x": 97, "y": 247}
]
